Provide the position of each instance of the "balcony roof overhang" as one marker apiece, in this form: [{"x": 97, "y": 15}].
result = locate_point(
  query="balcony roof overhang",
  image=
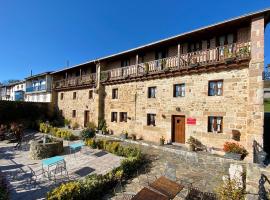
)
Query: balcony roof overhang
[
  {"x": 38, "y": 75},
  {"x": 234, "y": 22}
]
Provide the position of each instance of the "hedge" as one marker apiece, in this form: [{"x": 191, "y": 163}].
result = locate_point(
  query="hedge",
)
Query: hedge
[
  {"x": 57, "y": 132},
  {"x": 95, "y": 186},
  {"x": 28, "y": 113}
]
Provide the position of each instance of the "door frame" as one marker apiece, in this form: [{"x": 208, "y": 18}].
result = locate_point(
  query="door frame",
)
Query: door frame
[
  {"x": 84, "y": 119},
  {"x": 173, "y": 127}
]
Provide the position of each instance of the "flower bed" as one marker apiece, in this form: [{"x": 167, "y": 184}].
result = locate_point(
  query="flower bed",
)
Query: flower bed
[
  {"x": 57, "y": 132},
  {"x": 95, "y": 186}
]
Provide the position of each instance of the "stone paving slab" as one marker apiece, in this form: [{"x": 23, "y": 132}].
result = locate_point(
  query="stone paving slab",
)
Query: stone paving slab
[{"x": 78, "y": 166}]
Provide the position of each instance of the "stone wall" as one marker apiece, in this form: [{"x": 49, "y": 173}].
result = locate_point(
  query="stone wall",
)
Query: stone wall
[
  {"x": 40, "y": 151},
  {"x": 81, "y": 104},
  {"x": 196, "y": 104}
]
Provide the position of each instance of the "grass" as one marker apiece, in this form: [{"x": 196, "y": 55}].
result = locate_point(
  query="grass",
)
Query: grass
[{"x": 267, "y": 105}]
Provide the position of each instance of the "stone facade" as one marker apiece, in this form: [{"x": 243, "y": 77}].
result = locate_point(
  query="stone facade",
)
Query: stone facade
[
  {"x": 240, "y": 105},
  {"x": 195, "y": 104},
  {"x": 81, "y": 104}
]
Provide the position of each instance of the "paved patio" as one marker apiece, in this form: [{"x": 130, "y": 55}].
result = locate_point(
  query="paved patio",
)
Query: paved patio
[{"x": 88, "y": 162}]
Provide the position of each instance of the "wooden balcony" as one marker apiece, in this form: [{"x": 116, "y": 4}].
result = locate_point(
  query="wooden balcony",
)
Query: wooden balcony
[
  {"x": 223, "y": 55},
  {"x": 77, "y": 82}
]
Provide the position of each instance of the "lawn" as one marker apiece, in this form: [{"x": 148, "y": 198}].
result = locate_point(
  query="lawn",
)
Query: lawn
[{"x": 267, "y": 105}]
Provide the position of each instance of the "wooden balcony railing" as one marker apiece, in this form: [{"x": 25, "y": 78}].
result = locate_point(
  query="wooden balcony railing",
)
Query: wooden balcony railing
[
  {"x": 223, "y": 54},
  {"x": 75, "y": 82}
]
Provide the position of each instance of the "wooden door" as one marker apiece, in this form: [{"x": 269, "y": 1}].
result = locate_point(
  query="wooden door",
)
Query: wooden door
[
  {"x": 179, "y": 129},
  {"x": 86, "y": 117}
]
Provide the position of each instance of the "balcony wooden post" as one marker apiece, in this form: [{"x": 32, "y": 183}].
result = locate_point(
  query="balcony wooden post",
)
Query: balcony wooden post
[
  {"x": 178, "y": 54},
  {"x": 137, "y": 63}
]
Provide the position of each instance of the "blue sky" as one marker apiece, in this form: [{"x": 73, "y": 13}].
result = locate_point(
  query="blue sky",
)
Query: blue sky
[{"x": 42, "y": 35}]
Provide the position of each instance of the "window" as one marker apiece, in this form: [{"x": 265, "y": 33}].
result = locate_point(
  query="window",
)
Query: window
[
  {"x": 215, "y": 88},
  {"x": 179, "y": 90},
  {"x": 115, "y": 93},
  {"x": 162, "y": 53},
  {"x": 125, "y": 63},
  {"x": 151, "y": 119},
  {"x": 73, "y": 113},
  {"x": 74, "y": 95},
  {"x": 62, "y": 96},
  {"x": 123, "y": 116},
  {"x": 215, "y": 124},
  {"x": 114, "y": 117},
  {"x": 152, "y": 92},
  {"x": 91, "y": 94}
]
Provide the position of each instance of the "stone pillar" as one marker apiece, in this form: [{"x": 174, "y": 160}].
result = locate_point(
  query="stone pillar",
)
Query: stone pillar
[
  {"x": 99, "y": 94},
  {"x": 255, "y": 110}
]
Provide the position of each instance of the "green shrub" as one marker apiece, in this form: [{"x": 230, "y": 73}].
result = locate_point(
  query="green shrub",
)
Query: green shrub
[
  {"x": 102, "y": 125},
  {"x": 87, "y": 133},
  {"x": 66, "y": 191},
  {"x": 44, "y": 127},
  {"x": 229, "y": 190}
]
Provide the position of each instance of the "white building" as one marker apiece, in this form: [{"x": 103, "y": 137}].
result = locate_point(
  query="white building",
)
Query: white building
[
  {"x": 13, "y": 91},
  {"x": 38, "y": 88}
]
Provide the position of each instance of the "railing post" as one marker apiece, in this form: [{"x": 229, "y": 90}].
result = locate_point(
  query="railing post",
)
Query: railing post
[{"x": 178, "y": 55}]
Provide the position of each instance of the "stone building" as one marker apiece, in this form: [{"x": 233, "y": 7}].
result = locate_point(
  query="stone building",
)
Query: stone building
[{"x": 204, "y": 83}]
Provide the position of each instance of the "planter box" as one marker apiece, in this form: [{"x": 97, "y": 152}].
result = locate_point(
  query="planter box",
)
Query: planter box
[
  {"x": 234, "y": 156},
  {"x": 229, "y": 60}
]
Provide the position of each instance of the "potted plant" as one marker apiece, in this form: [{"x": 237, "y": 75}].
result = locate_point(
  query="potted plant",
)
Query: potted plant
[
  {"x": 75, "y": 126},
  {"x": 234, "y": 151},
  {"x": 146, "y": 68},
  {"x": 124, "y": 134},
  {"x": 162, "y": 141},
  {"x": 67, "y": 123},
  {"x": 133, "y": 136},
  {"x": 191, "y": 143},
  {"x": 102, "y": 126}
]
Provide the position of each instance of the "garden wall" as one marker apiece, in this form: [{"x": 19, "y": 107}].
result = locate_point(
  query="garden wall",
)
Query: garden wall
[{"x": 27, "y": 112}]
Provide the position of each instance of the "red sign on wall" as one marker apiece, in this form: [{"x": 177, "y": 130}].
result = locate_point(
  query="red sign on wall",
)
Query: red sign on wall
[{"x": 191, "y": 121}]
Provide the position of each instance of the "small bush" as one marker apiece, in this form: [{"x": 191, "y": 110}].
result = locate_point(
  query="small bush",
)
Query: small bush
[
  {"x": 69, "y": 190},
  {"x": 230, "y": 190},
  {"x": 75, "y": 126},
  {"x": 87, "y": 133},
  {"x": 44, "y": 127}
]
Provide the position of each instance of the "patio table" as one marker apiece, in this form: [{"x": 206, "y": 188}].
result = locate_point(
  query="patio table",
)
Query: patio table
[
  {"x": 166, "y": 187},
  {"x": 75, "y": 146},
  {"x": 49, "y": 162},
  {"x": 147, "y": 194}
]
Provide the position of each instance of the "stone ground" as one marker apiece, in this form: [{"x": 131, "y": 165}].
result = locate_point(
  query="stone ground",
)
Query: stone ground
[
  {"x": 171, "y": 166},
  {"x": 83, "y": 163}
]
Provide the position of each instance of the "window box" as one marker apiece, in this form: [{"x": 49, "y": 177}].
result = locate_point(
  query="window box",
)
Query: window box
[{"x": 234, "y": 156}]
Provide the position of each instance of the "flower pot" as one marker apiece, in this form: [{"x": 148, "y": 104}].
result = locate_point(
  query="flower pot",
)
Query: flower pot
[
  {"x": 191, "y": 147},
  {"x": 234, "y": 156},
  {"x": 99, "y": 131},
  {"x": 161, "y": 142}
]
